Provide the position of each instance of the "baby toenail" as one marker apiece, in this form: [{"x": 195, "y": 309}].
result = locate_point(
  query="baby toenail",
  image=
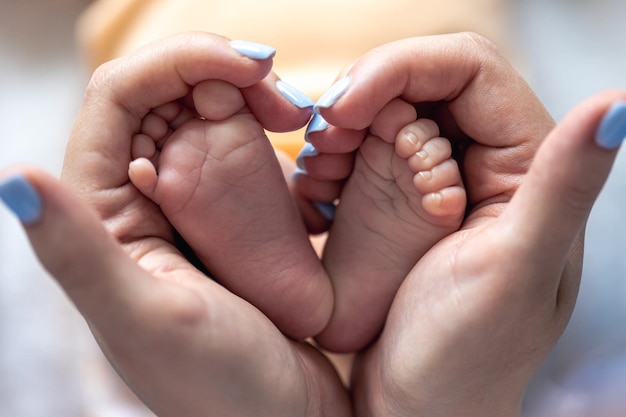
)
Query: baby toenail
[
  {"x": 422, "y": 154},
  {"x": 427, "y": 175},
  {"x": 411, "y": 137},
  {"x": 437, "y": 199}
]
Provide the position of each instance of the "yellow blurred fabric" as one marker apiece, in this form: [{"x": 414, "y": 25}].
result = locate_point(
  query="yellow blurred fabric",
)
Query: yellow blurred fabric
[{"x": 314, "y": 39}]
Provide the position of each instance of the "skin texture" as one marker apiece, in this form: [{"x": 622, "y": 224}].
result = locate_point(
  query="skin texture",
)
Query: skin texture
[
  {"x": 469, "y": 324},
  {"x": 203, "y": 331},
  {"x": 221, "y": 186},
  {"x": 487, "y": 303},
  {"x": 404, "y": 194}
]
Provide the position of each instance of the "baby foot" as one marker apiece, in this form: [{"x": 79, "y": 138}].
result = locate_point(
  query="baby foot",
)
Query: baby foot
[
  {"x": 399, "y": 201},
  {"x": 218, "y": 181}
]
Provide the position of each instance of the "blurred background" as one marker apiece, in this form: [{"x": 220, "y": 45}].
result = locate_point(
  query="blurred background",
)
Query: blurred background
[
  {"x": 49, "y": 364},
  {"x": 571, "y": 50}
]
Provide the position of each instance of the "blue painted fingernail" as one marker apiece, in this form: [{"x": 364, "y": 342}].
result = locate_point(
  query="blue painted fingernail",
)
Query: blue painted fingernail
[
  {"x": 333, "y": 94},
  {"x": 317, "y": 124},
  {"x": 297, "y": 173},
  {"x": 612, "y": 130},
  {"x": 306, "y": 151},
  {"x": 327, "y": 210},
  {"x": 295, "y": 96},
  {"x": 253, "y": 50},
  {"x": 21, "y": 198}
]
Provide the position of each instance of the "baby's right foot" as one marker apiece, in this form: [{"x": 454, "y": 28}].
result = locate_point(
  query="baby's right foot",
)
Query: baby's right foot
[
  {"x": 399, "y": 201},
  {"x": 217, "y": 180}
]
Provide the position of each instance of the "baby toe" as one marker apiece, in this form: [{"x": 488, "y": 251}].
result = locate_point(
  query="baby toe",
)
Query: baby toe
[
  {"x": 445, "y": 174},
  {"x": 154, "y": 126},
  {"x": 168, "y": 111},
  {"x": 217, "y": 100},
  {"x": 434, "y": 152},
  {"x": 143, "y": 176},
  {"x": 412, "y": 137},
  {"x": 447, "y": 203},
  {"x": 391, "y": 119},
  {"x": 142, "y": 146}
]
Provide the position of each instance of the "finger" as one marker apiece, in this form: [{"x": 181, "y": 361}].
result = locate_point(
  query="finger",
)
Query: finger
[
  {"x": 314, "y": 198},
  {"x": 326, "y": 166},
  {"x": 72, "y": 244},
  {"x": 123, "y": 91},
  {"x": 278, "y": 106},
  {"x": 148, "y": 328},
  {"x": 314, "y": 189},
  {"x": 393, "y": 117},
  {"x": 331, "y": 139},
  {"x": 317, "y": 216},
  {"x": 464, "y": 70},
  {"x": 461, "y": 81},
  {"x": 552, "y": 204}
]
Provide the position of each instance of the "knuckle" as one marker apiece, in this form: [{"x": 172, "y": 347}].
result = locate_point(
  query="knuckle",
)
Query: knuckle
[{"x": 101, "y": 78}]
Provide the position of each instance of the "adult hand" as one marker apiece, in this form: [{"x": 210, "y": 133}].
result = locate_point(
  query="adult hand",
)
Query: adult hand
[
  {"x": 186, "y": 345},
  {"x": 480, "y": 311}
]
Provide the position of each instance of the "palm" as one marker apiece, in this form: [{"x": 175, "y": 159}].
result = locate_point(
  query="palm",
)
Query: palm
[
  {"x": 461, "y": 311},
  {"x": 213, "y": 346},
  {"x": 180, "y": 340}
]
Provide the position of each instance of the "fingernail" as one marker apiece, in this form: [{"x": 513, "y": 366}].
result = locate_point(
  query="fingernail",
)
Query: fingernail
[
  {"x": 306, "y": 151},
  {"x": 297, "y": 173},
  {"x": 333, "y": 94},
  {"x": 295, "y": 96},
  {"x": 253, "y": 50},
  {"x": 327, "y": 210},
  {"x": 612, "y": 130},
  {"x": 317, "y": 124},
  {"x": 21, "y": 198}
]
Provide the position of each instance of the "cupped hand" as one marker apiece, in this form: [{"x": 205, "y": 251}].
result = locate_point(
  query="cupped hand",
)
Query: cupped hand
[
  {"x": 481, "y": 310},
  {"x": 182, "y": 342}
]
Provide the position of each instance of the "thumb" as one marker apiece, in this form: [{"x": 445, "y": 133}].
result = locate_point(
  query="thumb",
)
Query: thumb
[
  {"x": 570, "y": 168},
  {"x": 69, "y": 240}
]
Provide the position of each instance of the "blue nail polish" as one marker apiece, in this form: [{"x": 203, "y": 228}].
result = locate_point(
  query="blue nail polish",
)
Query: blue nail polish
[
  {"x": 295, "y": 96},
  {"x": 253, "y": 50},
  {"x": 333, "y": 94},
  {"x": 296, "y": 173},
  {"x": 327, "y": 210},
  {"x": 21, "y": 198},
  {"x": 612, "y": 130},
  {"x": 306, "y": 151},
  {"x": 317, "y": 124}
]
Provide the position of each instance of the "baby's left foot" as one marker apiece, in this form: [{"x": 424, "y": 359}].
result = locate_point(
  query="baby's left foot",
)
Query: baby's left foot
[{"x": 400, "y": 200}]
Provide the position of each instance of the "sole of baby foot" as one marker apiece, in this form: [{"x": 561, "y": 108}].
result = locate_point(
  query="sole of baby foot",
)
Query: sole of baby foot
[
  {"x": 221, "y": 186},
  {"x": 391, "y": 212}
]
